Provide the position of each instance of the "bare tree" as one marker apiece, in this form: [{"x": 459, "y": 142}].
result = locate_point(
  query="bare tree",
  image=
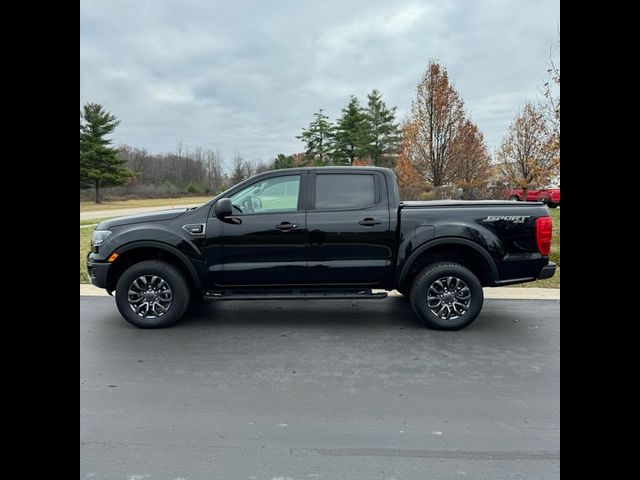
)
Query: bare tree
[
  {"x": 138, "y": 160},
  {"x": 180, "y": 168},
  {"x": 255, "y": 166},
  {"x": 437, "y": 113},
  {"x": 551, "y": 105},
  {"x": 524, "y": 157},
  {"x": 214, "y": 171}
]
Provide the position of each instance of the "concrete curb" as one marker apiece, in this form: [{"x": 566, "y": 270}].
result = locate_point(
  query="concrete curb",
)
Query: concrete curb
[{"x": 502, "y": 293}]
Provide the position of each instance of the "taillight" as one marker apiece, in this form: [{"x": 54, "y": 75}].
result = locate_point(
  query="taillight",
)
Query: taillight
[{"x": 544, "y": 227}]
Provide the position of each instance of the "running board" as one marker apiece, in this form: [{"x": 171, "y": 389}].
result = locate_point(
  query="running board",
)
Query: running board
[{"x": 294, "y": 295}]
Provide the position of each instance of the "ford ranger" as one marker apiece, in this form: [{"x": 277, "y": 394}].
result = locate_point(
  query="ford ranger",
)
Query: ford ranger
[{"x": 320, "y": 233}]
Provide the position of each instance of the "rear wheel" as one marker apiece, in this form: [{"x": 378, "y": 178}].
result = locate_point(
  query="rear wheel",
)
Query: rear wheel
[
  {"x": 514, "y": 198},
  {"x": 446, "y": 296},
  {"x": 552, "y": 205},
  {"x": 152, "y": 294}
]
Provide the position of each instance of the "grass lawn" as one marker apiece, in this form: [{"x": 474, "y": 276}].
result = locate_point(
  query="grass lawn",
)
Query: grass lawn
[
  {"x": 147, "y": 202},
  {"x": 85, "y": 239},
  {"x": 553, "y": 282}
]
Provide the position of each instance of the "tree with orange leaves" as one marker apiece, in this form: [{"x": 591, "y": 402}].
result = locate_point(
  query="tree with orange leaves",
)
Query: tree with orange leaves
[
  {"x": 524, "y": 157},
  {"x": 410, "y": 180},
  {"x": 473, "y": 162},
  {"x": 429, "y": 135}
]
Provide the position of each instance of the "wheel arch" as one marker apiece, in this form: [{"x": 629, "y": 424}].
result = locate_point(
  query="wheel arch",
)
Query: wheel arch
[
  {"x": 460, "y": 250},
  {"x": 146, "y": 250}
]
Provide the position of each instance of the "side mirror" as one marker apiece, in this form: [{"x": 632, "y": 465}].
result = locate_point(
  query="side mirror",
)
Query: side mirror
[{"x": 223, "y": 208}]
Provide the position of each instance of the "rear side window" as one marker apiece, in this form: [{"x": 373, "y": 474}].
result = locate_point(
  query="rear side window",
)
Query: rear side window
[{"x": 344, "y": 191}]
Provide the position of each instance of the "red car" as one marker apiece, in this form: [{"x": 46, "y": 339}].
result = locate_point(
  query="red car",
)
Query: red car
[{"x": 550, "y": 196}]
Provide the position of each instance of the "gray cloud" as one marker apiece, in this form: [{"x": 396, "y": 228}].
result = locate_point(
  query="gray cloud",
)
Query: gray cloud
[{"x": 248, "y": 75}]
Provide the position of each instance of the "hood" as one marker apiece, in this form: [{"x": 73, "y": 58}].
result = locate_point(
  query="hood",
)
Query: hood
[{"x": 141, "y": 218}]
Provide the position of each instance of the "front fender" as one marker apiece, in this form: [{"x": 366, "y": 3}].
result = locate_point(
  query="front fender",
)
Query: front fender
[
  {"x": 186, "y": 261},
  {"x": 186, "y": 248}
]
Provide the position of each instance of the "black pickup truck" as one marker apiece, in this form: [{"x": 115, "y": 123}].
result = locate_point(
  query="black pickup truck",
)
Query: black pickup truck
[{"x": 320, "y": 233}]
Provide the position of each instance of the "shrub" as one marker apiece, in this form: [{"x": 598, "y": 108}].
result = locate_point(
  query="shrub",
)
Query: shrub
[
  {"x": 169, "y": 189},
  {"x": 443, "y": 192}
]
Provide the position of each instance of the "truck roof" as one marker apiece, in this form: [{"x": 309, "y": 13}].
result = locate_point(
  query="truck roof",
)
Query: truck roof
[{"x": 333, "y": 167}]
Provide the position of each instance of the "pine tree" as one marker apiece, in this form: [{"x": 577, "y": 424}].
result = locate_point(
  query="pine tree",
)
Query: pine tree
[
  {"x": 239, "y": 172},
  {"x": 100, "y": 165},
  {"x": 352, "y": 134},
  {"x": 383, "y": 132},
  {"x": 318, "y": 139},
  {"x": 283, "y": 161}
]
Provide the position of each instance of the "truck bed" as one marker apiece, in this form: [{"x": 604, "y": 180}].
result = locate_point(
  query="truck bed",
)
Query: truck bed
[{"x": 464, "y": 203}]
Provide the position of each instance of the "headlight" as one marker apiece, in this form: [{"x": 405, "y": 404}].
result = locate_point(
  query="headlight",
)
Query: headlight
[{"x": 99, "y": 236}]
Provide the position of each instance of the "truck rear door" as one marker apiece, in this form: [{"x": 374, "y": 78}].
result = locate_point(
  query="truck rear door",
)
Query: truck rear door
[{"x": 350, "y": 241}]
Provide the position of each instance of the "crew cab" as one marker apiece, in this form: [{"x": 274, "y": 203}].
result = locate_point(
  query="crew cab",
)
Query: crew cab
[{"x": 320, "y": 233}]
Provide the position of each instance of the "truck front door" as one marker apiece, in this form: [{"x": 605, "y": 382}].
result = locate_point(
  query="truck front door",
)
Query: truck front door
[{"x": 263, "y": 243}]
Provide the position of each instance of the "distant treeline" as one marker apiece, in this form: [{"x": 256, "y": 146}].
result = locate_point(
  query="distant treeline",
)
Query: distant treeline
[{"x": 183, "y": 172}]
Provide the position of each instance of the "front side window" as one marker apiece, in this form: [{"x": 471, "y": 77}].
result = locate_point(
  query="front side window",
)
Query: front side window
[
  {"x": 344, "y": 191},
  {"x": 273, "y": 195}
]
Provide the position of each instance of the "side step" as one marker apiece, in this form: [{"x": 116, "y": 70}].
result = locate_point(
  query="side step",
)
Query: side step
[{"x": 294, "y": 294}]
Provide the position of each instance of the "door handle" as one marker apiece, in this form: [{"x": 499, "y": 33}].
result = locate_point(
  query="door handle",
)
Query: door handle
[
  {"x": 369, "y": 222},
  {"x": 286, "y": 226}
]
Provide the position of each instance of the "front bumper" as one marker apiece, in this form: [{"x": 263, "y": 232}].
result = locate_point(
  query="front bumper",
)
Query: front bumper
[
  {"x": 97, "y": 273},
  {"x": 547, "y": 271}
]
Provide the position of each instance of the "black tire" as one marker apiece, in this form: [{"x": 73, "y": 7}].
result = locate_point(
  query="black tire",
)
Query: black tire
[
  {"x": 179, "y": 289},
  {"x": 552, "y": 205},
  {"x": 514, "y": 198},
  {"x": 427, "y": 278},
  {"x": 405, "y": 293}
]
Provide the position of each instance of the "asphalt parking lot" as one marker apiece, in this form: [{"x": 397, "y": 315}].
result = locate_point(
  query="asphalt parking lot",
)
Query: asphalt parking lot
[{"x": 320, "y": 390}]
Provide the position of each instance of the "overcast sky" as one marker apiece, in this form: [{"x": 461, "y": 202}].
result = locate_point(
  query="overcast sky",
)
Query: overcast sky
[{"x": 247, "y": 76}]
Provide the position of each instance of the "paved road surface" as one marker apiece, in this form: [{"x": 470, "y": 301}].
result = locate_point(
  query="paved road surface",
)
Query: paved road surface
[
  {"x": 119, "y": 212},
  {"x": 320, "y": 390}
]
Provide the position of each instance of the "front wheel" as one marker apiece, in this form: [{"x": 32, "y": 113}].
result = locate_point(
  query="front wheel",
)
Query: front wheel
[
  {"x": 552, "y": 205},
  {"x": 514, "y": 198},
  {"x": 152, "y": 294},
  {"x": 446, "y": 296}
]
